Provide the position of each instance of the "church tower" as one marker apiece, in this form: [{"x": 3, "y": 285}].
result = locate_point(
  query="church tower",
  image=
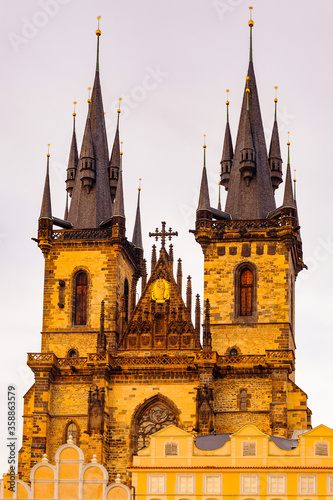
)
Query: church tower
[
  {"x": 252, "y": 255},
  {"x": 113, "y": 371}
]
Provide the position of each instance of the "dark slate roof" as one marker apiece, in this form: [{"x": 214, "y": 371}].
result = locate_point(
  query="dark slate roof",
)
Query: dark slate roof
[
  {"x": 119, "y": 206},
  {"x": 256, "y": 200},
  {"x": 88, "y": 210},
  {"x": 284, "y": 443},
  {"x": 215, "y": 441},
  {"x": 115, "y": 155},
  {"x": 73, "y": 154},
  {"x": 211, "y": 441}
]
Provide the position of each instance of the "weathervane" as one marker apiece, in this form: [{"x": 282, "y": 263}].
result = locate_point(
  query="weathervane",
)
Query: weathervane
[{"x": 163, "y": 234}]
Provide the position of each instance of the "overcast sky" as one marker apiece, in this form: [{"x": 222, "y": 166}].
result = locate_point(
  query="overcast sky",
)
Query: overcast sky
[{"x": 171, "y": 62}]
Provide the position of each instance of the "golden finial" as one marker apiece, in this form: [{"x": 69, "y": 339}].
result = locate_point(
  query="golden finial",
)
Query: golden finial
[
  {"x": 204, "y": 145},
  {"x": 294, "y": 175},
  {"x": 119, "y": 110},
  {"x": 227, "y": 101},
  {"x": 139, "y": 189},
  {"x": 276, "y": 99},
  {"x": 288, "y": 143},
  {"x": 48, "y": 150},
  {"x": 247, "y": 84},
  {"x": 75, "y": 103},
  {"x": 251, "y": 23},
  {"x": 121, "y": 148},
  {"x": 98, "y": 31},
  {"x": 89, "y": 100}
]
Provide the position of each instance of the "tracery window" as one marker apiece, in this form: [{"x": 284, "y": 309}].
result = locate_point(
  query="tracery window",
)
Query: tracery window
[
  {"x": 151, "y": 419},
  {"x": 80, "y": 298},
  {"x": 246, "y": 292}
]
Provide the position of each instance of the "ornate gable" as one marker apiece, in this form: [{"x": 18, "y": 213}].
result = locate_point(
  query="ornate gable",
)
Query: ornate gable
[{"x": 160, "y": 320}]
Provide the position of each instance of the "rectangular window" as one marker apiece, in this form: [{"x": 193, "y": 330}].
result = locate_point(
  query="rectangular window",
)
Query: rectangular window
[
  {"x": 186, "y": 484},
  {"x": 307, "y": 485},
  {"x": 171, "y": 449},
  {"x": 212, "y": 484},
  {"x": 249, "y": 448},
  {"x": 250, "y": 484},
  {"x": 321, "y": 449},
  {"x": 277, "y": 484},
  {"x": 330, "y": 485},
  {"x": 156, "y": 483}
]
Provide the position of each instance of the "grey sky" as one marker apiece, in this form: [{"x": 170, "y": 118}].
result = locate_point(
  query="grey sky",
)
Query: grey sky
[{"x": 171, "y": 61}]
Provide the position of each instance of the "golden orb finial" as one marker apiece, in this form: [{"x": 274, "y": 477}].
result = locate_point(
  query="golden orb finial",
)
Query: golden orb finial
[
  {"x": 119, "y": 110},
  {"x": 139, "y": 188},
  {"x": 251, "y": 23},
  {"x": 294, "y": 175},
  {"x": 227, "y": 101},
  {"x": 276, "y": 89},
  {"x": 48, "y": 150},
  {"x": 288, "y": 143},
  {"x": 204, "y": 144},
  {"x": 121, "y": 148},
  {"x": 98, "y": 31},
  {"x": 89, "y": 100},
  {"x": 75, "y": 103}
]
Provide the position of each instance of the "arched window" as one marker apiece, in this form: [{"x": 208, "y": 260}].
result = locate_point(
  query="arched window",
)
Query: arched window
[
  {"x": 233, "y": 352},
  {"x": 80, "y": 298},
  {"x": 72, "y": 353},
  {"x": 243, "y": 400},
  {"x": 246, "y": 292},
  {"x": 126, "y": 294},
  {"x": 72, "y": 431}
]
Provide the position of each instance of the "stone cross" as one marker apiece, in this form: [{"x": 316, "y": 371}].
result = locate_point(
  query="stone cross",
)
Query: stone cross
[{"x": 163, "y": 234}]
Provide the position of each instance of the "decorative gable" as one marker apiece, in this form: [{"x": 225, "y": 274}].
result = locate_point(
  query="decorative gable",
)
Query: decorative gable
[{"x": 160, "y": 320}]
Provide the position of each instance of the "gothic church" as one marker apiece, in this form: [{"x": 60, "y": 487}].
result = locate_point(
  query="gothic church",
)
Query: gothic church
[{"x": 112, "y": 371}]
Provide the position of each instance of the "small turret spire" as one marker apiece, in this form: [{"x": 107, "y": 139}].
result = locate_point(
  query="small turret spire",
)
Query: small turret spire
[
  {"x": 87, "y": 155},
  {"x": 251, "y": 24},
  {"x": 227, "y": 153},
  {"x": 204, "y": 201},
  {"x": 66, "y": 208},
  {"x": 46, "y": 209},
  {"x": 118, "y": 208},
  {"x": 73, "y": 159},
  {"x": 219, "y": 202},
  {"x": 288, "y": 199},
  {"x": 98, "y": 34},
  {"x": 274, "y": 156},
  {"x": 115, "y": 158},
  {"x": 137, "y": 234}
]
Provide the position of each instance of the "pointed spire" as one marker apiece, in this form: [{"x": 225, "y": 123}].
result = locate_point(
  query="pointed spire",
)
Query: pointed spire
[
  {"x": 288, "y": 199},
  {"x": 227, "y": 153},
  {"x": 118, "y": 208},
  {"x": 137, "y": 235},
  {"x": 73, "y": 159},
  {"x": 115, "y": 158},
  {"x": 275, "y": 160},
  {"x": 250, "y": 191},
  {"x": 144, "y": 275},
  {"x": 179, "y": 275},
  {"x": 101, "y": 337},
  {"x": 204, "y": 201},
  {"x": 153, "y": 258},
  {"x": 197, "y": 316},
  {"x": 189, "y": 295},
  {"x": 219, "y": 202},
  {"x": 171, "y": 257},
  {"x": 46, "y": 210},
  {"x": 91, "y": 200},
  {"x": 66, "y": 208}
]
